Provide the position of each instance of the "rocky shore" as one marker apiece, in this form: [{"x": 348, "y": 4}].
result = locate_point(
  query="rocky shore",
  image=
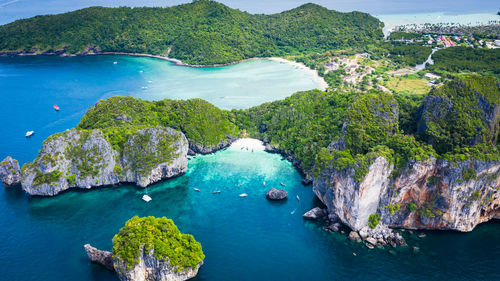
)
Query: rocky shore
[
  {"x": 196, "y": 148},
  {"x": 10, "y": 173}
]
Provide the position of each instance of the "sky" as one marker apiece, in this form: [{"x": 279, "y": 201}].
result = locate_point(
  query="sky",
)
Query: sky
[{"x": 11, "y": 10}]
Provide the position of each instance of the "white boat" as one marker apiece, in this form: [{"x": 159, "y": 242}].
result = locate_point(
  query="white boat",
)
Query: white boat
[
  {"x": 243, "y": 195},
  {"x": 196, "y": 189},
  {"x": 298, "y": 198},
  {"x": 115, "y": 62},
  {"x": 146, "y": 198},
  {"x": 264, "y": 183},
  {"x": 282, "y": 184},
  {"x": 29, "y": 133}
]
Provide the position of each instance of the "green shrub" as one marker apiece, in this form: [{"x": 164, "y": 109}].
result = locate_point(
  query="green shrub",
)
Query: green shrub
[
  {"x": 373, "y": 220},
  {"x": 71, "y": 179},
  {"x": 393, "y": 208},
  {"x": 412, "y": 207}
]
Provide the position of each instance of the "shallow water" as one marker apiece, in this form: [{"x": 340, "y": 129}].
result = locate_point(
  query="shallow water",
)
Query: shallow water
[
  {"x": 243, "y": 238},
  {"x": 30, "y": 86}
]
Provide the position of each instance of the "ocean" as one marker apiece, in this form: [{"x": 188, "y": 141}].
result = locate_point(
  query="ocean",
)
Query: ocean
[{"x": 243, "y": 238}]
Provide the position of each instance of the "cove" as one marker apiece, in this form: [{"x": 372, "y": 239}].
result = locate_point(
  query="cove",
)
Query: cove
[{"x": 243, "y": 238}]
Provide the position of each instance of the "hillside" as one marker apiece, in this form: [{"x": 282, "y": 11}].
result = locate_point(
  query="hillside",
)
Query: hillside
[{"x": 202, "y": 32}]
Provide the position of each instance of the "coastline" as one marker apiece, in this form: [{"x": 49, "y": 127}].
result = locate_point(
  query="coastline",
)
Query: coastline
[{"x": 177, "y": 62}]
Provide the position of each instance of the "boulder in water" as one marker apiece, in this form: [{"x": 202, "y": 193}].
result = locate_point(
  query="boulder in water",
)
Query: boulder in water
[{"x": 276, "y": 194}]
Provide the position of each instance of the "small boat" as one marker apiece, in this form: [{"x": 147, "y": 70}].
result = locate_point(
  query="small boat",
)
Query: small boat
[
  {"x": 243, "y": 195},
  {"x": 196, "y": 189},
  {"x": 56, "y": 108},
  {"x": 264, "y": 183},
  {"x": 146, "y": 198},
  {"x": 29, "y": 133},
  {"x": 150, "y": 81},
  {"x": 140, "y": 71},
  {"x": 144, "y": 87},
  {"x": 298, "y": 198},
  {"x": 115, "y": 62},
  {"x": 216, "y": 192},
  {"x": 282, "y": 184}
]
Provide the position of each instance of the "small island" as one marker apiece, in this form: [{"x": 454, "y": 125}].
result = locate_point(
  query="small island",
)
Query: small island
[{"x": 151, "y": 248}]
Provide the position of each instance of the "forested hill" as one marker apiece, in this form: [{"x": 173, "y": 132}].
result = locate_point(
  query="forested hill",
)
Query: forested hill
[{"x": 202, "y": 32}]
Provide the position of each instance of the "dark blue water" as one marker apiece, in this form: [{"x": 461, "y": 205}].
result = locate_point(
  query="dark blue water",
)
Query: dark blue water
[
  {"x": 11, "y": 10},
  {"x": 243, "y": 238}
]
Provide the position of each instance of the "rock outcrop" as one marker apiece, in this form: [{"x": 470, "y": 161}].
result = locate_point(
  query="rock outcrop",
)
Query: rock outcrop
[
  {"x": 86, "y": 158},
  {"x": 150, "y": 268},
  {"x": 103, "y": 258},
  {"x": 433, "y": 194},
  {"x": 276, "y": 194},
  {"x": 10, "y": 173},
  {"x": 315, "y": 214},
  {"x": 196, "y": 148}
]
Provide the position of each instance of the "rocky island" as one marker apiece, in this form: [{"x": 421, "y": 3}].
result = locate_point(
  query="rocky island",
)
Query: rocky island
[{"x": 151, "y": 248}]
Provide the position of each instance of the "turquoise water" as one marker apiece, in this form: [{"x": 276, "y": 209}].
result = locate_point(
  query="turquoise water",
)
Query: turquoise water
[
  {"x": 30, "y": 86},
  {"x": 243, "y": 238}
]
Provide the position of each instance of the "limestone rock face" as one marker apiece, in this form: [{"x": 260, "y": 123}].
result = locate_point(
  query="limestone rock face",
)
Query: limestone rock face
[
  {"x": 10, "y": 173},
  {"x": 276, "y": 194},
  {"x": 433, "y": 194},
  {"x": 103, "y": 258},
  {"x": 85, "y": 159},
  {"x": 314, "y": 214},
  {"x": 150, "y": 268},
  {"x": 153, "y": 154},
  {"x": 195, "y": 148}
]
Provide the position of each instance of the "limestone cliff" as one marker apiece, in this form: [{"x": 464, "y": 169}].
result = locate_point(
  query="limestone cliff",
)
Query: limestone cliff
[
  {"x": 10, "y": 173},
  {"x": 151, "y": 268},
  {"x": 433, "y": 194},
  {"x": 103, "y": 258},
  {"x": 86, "y": 158}
]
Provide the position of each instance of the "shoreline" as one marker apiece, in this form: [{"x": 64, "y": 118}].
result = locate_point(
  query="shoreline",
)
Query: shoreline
[{"x": 176, "y": 62}]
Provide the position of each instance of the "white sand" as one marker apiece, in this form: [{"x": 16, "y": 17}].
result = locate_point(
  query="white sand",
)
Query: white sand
[
  {"x": 249, "y": 143},
  {"x": 320, "y": 79}
]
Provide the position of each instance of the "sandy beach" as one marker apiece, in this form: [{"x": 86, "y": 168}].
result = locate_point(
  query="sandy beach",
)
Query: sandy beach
[
  {"x": 320, "y": 79},
  {"x": 251, "y": 144}
]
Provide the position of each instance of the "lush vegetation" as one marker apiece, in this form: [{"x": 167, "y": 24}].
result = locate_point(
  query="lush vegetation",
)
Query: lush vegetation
[
  {"x": 461, "y": 113},
  {"x": 400, "y": 35},
  {"x": 450, "y": 61},
  {"x": 160, "y": 235},
  {"x": 201, "y": 32},
  {"x": 299, "y": 125},
  {"x": 120, "y": 117},
  {"x": 404, "y": 54}
]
